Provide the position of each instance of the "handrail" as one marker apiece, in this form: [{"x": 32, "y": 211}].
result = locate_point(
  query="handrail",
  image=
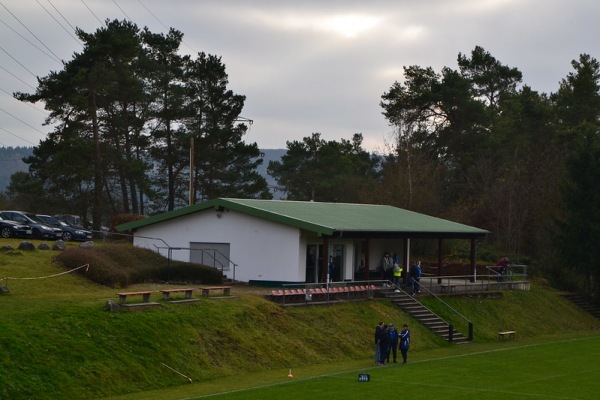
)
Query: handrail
[
  {"x": 450, "y": 327},
  {"x": 207, "y": 251},
  {"x": 446, "y": 304}
]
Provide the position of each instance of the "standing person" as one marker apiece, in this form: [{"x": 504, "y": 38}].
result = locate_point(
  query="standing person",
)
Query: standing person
[
  {"x": 404, "y": 342},
  {"x": 386, "y": 266},
  {"x": 378, "y": 330},
  {"x": 393, "y": 343},
  {"x": 384, "y": 345},
  {"x": 397, "y": 276},
  {"x": 501, "y": 266},
  {"x": 415, "y": 273},
  {"x": 330, "y": 267}
]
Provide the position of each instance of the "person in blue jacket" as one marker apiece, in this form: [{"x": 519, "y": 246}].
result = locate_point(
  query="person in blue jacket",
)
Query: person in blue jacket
[
  {"x": 393, "y": 343},
  {"x": 404, "y": 342},
  {"x": 384, "y": 345},
  {"x": 415, "y": 274}
]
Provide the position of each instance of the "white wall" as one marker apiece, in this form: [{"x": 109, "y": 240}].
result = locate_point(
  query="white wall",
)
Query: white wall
[{"x": 263, "y": 250}]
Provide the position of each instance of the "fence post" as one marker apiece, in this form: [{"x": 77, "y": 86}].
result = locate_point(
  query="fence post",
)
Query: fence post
[
  {"x": 470, "y": 331},
  {"x": 450, "y": 333}
]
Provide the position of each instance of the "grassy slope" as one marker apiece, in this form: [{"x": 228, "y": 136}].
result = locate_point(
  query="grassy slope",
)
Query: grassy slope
[{"x": 57, "y": 341}]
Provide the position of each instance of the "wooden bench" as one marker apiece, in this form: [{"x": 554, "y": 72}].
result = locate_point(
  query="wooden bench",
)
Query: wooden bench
[
  {"x": 510, "y": 334},
  {"x": 145, "y": 296},
  {"x": 206, "y": 290},
  {"x": 167, "y": 292}
]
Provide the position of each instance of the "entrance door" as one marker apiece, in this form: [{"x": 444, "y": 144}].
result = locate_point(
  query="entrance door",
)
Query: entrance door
[
  {"x": 338, "y": 262},
  {"x": 211, "y": 254},
  {"x": 314, "y": 260}
]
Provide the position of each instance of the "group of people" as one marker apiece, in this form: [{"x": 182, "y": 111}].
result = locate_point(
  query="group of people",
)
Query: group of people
[
  {"x": 392, "y": 270},
  {"x": 387, "y": 342}
]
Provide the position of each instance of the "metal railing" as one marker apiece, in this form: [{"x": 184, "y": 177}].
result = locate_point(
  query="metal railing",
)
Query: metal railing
[
  {"x": 211, "y": 254},
  {"x": 452, "y": 309}
]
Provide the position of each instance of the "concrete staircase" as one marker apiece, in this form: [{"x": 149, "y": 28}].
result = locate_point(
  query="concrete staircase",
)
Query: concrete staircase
[
  {"x": 426, "y": 317},
  {"x": 583, "y": 303}
]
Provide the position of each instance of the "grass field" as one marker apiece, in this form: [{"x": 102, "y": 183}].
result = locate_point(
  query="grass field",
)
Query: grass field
[
  {"x": 57, "y": 341},
  {"x": 553, "y": 369}
]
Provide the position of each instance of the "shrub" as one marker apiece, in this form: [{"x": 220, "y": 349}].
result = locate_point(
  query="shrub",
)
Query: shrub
[{"x": 121, "y": 265}]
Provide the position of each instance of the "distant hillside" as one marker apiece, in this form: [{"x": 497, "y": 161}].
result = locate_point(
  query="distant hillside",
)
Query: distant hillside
[
  {"x": 11, "y": 161},
  {"x": 271, "y": 155}
]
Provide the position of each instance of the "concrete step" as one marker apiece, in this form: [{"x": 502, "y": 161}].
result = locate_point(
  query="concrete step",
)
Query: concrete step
[
  {"x": 583, "y": 303},
  {"x": 426, "y": 317}
]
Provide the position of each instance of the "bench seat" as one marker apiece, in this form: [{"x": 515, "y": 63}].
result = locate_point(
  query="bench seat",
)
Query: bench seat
[
  {"x": 167, "y": 292},
  {"x": 509, "y": 334},
  {"x": 206, "y": 290},
  {"x": 145, "y": 296}
]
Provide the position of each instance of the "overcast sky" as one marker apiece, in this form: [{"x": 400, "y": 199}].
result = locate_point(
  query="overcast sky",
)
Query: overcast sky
[{"x": 304, "y": 66}]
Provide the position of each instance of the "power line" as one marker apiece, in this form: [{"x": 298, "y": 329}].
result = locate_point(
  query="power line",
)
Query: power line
[
  {"x": 17, "y": 136},
  {"x": 165, "y": 26},
  {"x": 32, "y": 34},
  {"x": 58, "y": 22},
  {"x": 25, "y": 102},
  {"x": 86, "y": 6},
  {"x": 18, "y": 62},
  {"x": 155, "y": 17},
  {"x": 119, "y": 7},
  {"x": 29, "y": 41},
  {"x": 63, "y": 17},
  {"x": 16, "y": 77},
  {"x": 20, "y": 120}
]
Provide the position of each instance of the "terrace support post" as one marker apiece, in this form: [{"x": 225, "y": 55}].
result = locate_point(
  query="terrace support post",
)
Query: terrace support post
[
  {"x": 473, "y": 261},
  {"x": 470, "y": 332},
  {"x": 450, "y": 333},
  {"x": 405, "y": 258},
  {"x": 440, "y": 250},
  {"x": 367, "y": 263},
  {"x": 324, "y": 260}
]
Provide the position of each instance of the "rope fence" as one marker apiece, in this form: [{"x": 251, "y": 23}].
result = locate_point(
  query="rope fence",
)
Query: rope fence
[{"x": 5, "y": 279}]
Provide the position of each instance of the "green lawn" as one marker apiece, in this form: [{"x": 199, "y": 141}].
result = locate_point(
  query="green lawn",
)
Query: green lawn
[
  {"x": 57, "y": 341},
  {"x": 556, "y": 369}
]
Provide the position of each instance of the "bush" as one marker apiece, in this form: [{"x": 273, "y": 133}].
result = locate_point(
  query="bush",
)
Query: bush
[{"x": 121, "y": 265}]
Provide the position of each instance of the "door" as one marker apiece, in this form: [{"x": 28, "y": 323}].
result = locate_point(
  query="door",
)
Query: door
[
  {"x": 212, "y": 254},
  {"x": 314, "y": 260}
]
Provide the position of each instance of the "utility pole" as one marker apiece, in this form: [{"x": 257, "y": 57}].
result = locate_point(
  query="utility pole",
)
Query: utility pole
[{"x": 192, "y": 197}]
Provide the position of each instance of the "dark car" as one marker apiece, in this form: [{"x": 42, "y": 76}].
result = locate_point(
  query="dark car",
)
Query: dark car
[
  {"x": 9, "y": 229},
  {"x": 39, "y": 229},
  {"x": 68, "y": 232}
]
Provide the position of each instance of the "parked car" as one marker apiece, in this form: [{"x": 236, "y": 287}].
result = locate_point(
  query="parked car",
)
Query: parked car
[
  {"x": 68, "y": 232},
  {"x": 9, "y": 229},
  {"x": 39, "y": 229}
]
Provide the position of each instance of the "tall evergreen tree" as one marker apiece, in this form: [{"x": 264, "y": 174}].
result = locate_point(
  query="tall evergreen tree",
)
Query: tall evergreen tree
[
  {"x": 320, "y": 170},
  {"x": 130, "y": 103},
  {"x": 225, "y": 166},
  {"x": 82, "y": 95},
  {"x": 166, "y": 88},
  {"x": 578, "y": 119}
]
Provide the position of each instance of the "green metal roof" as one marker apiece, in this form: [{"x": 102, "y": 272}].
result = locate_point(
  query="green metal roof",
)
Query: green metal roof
[{"x": 329, "y": 219}]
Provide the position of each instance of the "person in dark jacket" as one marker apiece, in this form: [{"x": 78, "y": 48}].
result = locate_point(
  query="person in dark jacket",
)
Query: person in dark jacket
[
  {"x": 384, "y": 345},
  {"x": 393, "y": 333},
  {"x": 378, "y": 330},
  {"x": 415, "y": 275},
  {"x": 404, "y": 342}
]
